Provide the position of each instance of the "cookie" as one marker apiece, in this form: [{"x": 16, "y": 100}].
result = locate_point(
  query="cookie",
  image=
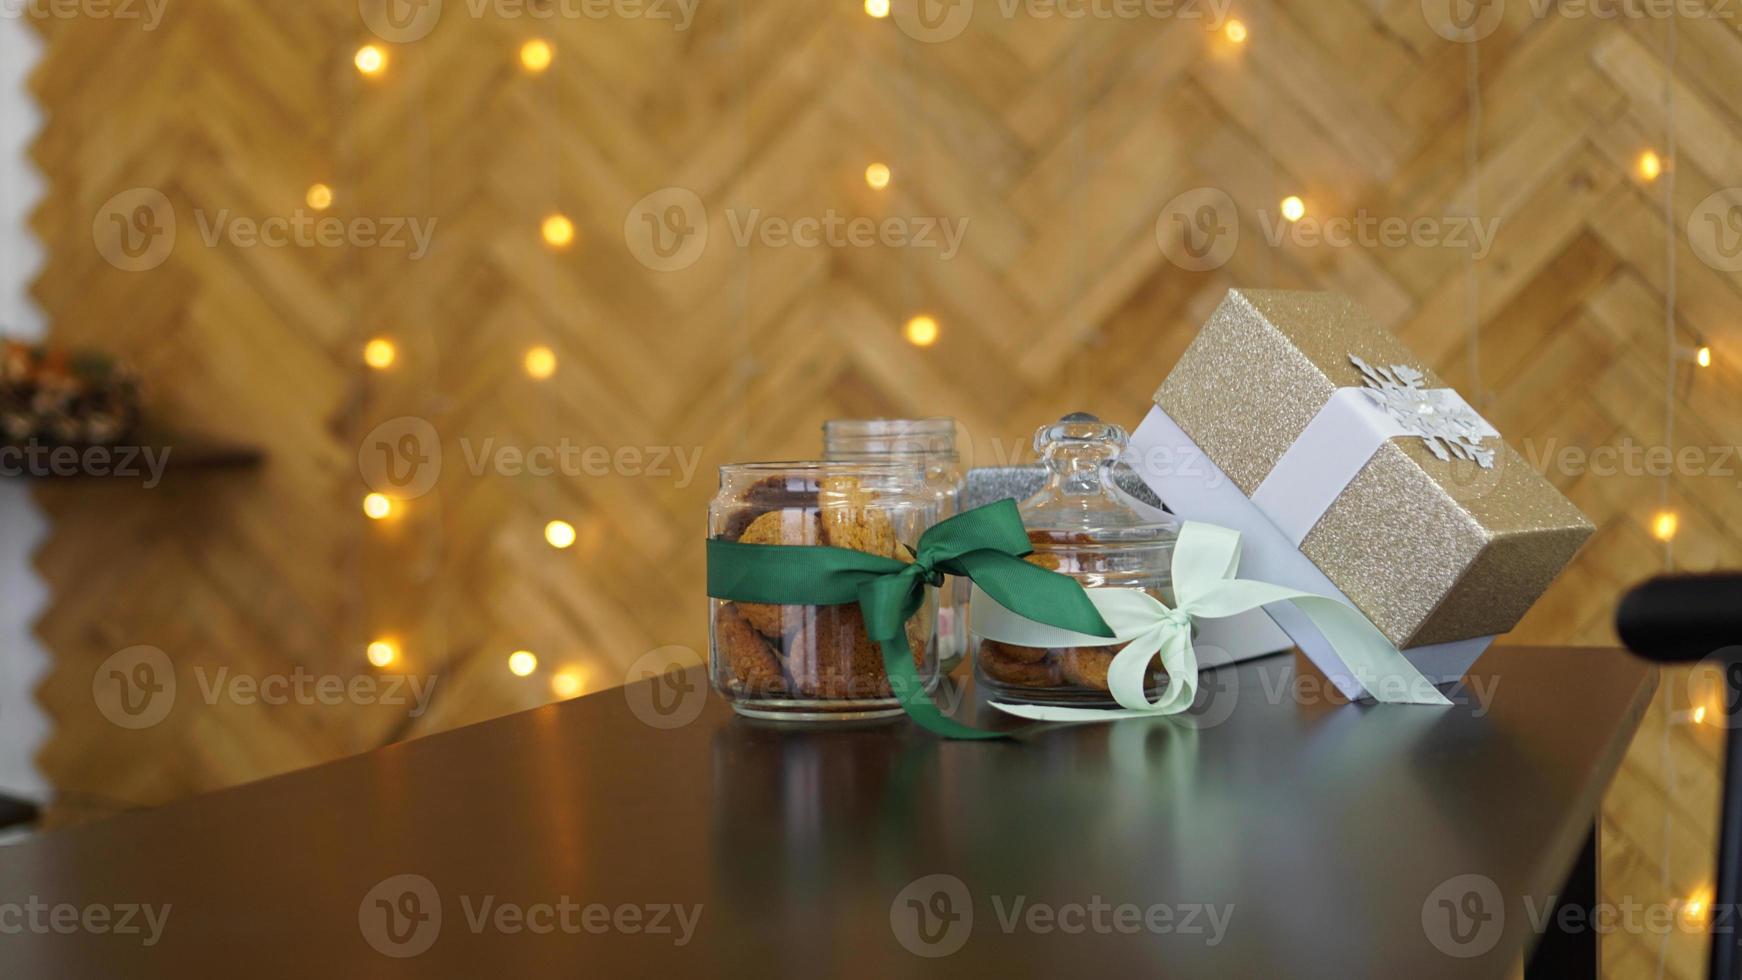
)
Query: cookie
[
  {"x": 1015, "y": 654},
  {"x": 747, "y": 659},
  {"x": 993, "y": 663},
  {"x": 831, "y": 654},
  {"x": 792, "y": 526},
  {"x": 1040, "y": 539},
  {"x": 1051, "y": 563},
  {"x": 849, "y": 521},
  {"x": 770, "y": 494},
  {"x": 1086, "y": 666}
]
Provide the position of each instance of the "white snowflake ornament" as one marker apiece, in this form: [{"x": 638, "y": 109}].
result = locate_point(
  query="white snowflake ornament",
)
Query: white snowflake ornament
[{"x": 1448, "y": 426}]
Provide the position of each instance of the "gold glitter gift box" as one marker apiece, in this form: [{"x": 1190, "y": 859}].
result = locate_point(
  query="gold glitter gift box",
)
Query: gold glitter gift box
[{"x": 1352, "y": 470}]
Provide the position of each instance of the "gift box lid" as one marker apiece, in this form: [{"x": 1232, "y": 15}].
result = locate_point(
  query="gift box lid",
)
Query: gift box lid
[{"x": 1434, "y": 540}]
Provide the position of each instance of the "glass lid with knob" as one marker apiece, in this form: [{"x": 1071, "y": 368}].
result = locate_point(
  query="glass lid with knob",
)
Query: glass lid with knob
[{"x": 1081, "y": 504}]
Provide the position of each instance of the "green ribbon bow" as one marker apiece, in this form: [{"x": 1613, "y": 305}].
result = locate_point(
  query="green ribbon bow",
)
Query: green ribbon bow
[{"x": 985, "y": 544}]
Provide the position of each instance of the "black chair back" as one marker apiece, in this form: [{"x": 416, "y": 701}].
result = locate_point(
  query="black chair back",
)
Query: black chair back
[{"x": 1685, "y": 619}]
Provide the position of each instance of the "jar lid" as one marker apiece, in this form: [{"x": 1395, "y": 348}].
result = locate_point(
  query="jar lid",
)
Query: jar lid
[{"x": 1081, "y": 503}]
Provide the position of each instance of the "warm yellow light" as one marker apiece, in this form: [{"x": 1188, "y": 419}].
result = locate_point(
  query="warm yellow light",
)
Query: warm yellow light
[
  {"x": 1663, "y": 526},
  {"x": 377, "y": 506},
  {"x": 1703, "y": 357},
  {"x": 521, "y": 663},
  {"x": 559, "y": 534},
  {"x": 371, "y": 60},
  {"x": 1700, "y": 715},
  {"x": 383, "y": 653},
  {"x": 540, "y": 362},
  {"x": 559, "y": 231},
  {"x": 380, "y": 353},
  {"x": 1293, "y": 208},
  {"x": 877, "y": 176},
  {"x": 1650, "y": 166},
  {"x": 1235, "y": 31},
  {"x": 320, "y": 197},
  {"x": 1695, "y": 906},
  {"x": 566, "y": 683},
  {"x": 922, "y": 331},
  {"x": 877, "y": 8},
  {"x": 536, "y": 55}
]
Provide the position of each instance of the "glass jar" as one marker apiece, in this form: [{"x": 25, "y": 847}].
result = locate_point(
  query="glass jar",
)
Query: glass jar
[
  {"x": 932, "y": 444},
  {"x": 809, "y": 663},
  {"x": 1082, "y": 525}
]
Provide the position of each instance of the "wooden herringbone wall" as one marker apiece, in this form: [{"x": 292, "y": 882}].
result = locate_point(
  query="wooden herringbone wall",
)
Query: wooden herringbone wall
[{"x": 1060, "y": 140}]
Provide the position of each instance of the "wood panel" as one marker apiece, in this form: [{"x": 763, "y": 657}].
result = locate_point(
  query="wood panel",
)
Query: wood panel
[{"x": 1061, "y": 142}]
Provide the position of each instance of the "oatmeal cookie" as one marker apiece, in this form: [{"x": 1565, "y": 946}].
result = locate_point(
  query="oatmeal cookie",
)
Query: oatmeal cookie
[
  {"x": 771, "y": 494},
  {"x": 791, "y": 526},
  {"x": 848, "y": 520},
  {"x": 833, "y": 656},
  {"x": 996, "y": 663},
  {"x": 750, "y": 664},
  {"x": 1087, "y": 666}
]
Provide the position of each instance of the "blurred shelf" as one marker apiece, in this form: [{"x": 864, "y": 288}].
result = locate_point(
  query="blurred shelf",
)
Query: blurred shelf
[{"x": 132, "y": 460}]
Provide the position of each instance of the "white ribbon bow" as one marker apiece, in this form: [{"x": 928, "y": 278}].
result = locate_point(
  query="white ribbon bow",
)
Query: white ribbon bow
[{"x": 1205, "y": 559}]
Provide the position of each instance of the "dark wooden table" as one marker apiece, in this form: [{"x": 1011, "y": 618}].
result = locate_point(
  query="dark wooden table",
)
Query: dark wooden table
[{"x": 1270, "y": 833}]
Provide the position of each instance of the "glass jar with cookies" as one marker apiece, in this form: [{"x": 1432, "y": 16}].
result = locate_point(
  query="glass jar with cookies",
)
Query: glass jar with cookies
[
  {"x": 814, "y": 663},
  {"x": 932, "y": 444},
  {"x": 1082, "y": 525}
]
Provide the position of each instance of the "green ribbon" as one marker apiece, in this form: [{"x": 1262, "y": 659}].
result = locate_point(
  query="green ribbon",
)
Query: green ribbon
[{"x": 985, "y": 544}]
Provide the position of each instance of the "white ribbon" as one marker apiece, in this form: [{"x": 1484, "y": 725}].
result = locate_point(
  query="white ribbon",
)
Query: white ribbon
[
  {"x": 1331, "y": 451},
  {"x": 1205, "y": 559}
]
